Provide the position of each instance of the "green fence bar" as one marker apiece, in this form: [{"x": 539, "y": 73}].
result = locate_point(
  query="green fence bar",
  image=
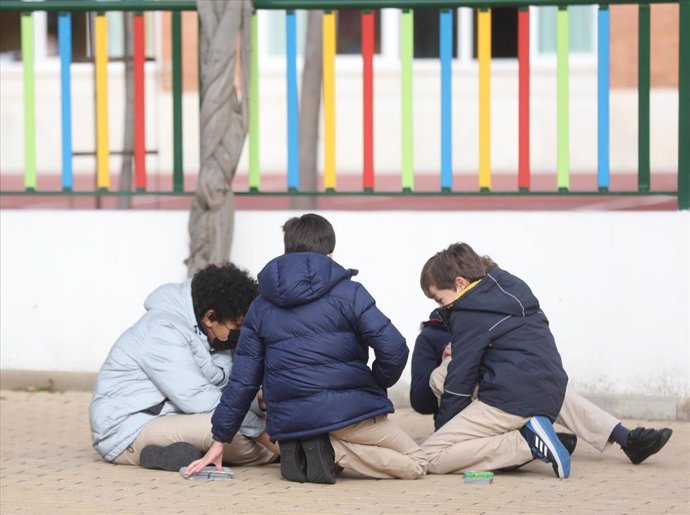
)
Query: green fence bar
[
  {"x": 684, "y": 107},
  {"x": 178, "y": 173},
  {"x": 562, "y": 93},
  {"x": 415, "y": 4},
  {"x": 254, "y": 178},
  {"x": 98, "y": 5},
  {"x": 29, "y": 101},
  {"x": 406, "y": 56},
  {"x": 643, "y": 98}
]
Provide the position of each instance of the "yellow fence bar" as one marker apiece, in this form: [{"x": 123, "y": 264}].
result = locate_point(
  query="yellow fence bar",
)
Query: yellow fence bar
[
  {"x": 102, "y": 151},
  {"x": 484, "y": 54},
  {"x": 329, "y": 99}
]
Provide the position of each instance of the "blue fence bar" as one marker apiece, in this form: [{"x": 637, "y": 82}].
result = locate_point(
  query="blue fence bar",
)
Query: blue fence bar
[
  {"x": 292, "y": 102},
  {"x": 603, "y": 158},
  {"x": 65, "y": 49},
  {"x": 446, "y": 50}
]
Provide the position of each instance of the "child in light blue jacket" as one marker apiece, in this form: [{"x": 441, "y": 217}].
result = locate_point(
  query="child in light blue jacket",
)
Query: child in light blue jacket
[{"x": 158, "y": 387}]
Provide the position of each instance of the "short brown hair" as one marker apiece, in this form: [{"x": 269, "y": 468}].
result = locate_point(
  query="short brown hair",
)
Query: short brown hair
[
  {"x": 458, "y": 260},
  {"x": 309, "y": 233}
]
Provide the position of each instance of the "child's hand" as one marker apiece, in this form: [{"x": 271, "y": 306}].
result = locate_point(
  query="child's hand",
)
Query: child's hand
[
  {"x": 447, "y": 352},
  {"x": 213, "y": 455},
  {"x": 263, "y": 439},
  {"x": 260, "y": 397}
]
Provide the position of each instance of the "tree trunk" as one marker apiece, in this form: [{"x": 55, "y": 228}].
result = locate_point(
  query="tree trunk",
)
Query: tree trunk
[
  {"x": 310, "y": 107},
  {"x": 224, "y": 44},
  {"x": 125, "y": 201}
]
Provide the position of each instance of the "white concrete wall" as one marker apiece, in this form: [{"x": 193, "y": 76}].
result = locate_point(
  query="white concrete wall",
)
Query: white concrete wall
[
  {"x": 273, "y": 120},
  {"x": 615, "y": 285}
]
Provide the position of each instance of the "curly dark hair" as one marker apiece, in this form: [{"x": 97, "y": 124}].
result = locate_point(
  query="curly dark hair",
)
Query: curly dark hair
[{"x": 226, "y": 289}]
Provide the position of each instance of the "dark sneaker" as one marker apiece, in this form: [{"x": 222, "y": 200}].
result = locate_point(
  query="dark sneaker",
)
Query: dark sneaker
[
  {"x": 642, "y": 443},
  {"x": 171, "y": 457},
  {"x": 320, "y": 459},
  {"x": 293, "y": 462},
  {"x": 568, "y": 440},
  {"x": 545, "y": 445}
]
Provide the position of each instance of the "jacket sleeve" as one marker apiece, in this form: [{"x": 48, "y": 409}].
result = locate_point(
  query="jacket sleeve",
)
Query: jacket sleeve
[
  {"x": 468, "y": 346},
  {"x": 425, "y": 358},
  {"x": 245, "y": 380},
  {"x": 377, "y": 331},
  {"x": 223, "y": 360},
  {"x": 168, "y": 361}
]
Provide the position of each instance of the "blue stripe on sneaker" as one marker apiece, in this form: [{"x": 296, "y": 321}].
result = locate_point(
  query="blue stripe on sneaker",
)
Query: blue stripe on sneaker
[{"x": 543, "y": 427}]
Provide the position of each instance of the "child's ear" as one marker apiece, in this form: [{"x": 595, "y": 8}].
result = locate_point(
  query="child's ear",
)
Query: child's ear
[
  {"x": 208, "y": 318},
  {"x": 461, "y": 283}
]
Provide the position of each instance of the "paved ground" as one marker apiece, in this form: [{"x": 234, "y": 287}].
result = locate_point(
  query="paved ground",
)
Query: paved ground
[{"x": 47, "y": 466}]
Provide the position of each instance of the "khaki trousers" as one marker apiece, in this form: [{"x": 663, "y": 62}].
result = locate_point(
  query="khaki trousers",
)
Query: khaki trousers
[
  {"x": 578, "y": 415},
  {"x": 194, "y": 429},
  {"x": 378, "y": 448},
  {"x": 480, "y": 437},
  {"x": 587, "y": 420}
]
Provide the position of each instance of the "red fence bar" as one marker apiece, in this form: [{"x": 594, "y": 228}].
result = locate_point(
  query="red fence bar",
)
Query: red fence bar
[
  {"x": 368, "y": 99},
  {"x": 523, "y": 116},
  {"x": 139, "y": 103}
]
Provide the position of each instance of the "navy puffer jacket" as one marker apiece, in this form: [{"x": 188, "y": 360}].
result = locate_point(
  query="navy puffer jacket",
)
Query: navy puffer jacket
[
  {"x": 306, "y": 338},
  {"x": 501, "y": 341},
  {"x": 426, "y": 356}
]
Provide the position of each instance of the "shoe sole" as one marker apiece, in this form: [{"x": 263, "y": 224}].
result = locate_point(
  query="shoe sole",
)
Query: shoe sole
[
  {"x": 548, "y": 435},
  {"x": 320, "y": 459},
  {"x": 171, "y": 457},
  {"x": 292, "y": 467}
]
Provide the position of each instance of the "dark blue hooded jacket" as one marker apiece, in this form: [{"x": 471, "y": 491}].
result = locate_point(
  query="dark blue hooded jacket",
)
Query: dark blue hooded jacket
[
  {"x": 426, "y": 356},
  {"x": 502, "y": 342},
  {"x": 306, "y": 339}
]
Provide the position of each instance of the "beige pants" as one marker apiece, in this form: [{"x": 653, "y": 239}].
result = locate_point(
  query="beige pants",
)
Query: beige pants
[
  {"x": 587, "y": 420},
  {"x": 378, "y": 448},
  {"x": 480, "y": 437},
  {"x": 194, "y": 429}
]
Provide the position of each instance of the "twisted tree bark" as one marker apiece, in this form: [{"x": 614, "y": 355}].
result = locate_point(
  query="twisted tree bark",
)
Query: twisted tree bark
[
  {"x": 310, "y": 109},
  {"x": 224, "y": 45}
]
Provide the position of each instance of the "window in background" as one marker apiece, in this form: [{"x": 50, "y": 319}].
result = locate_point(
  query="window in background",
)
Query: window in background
[
  {"x": 349, "y": 32},
  {"x": 581, "y": 31},
  {"x": 272, "y": 32},
  {"x": 427, "y": 27},
  {"x": 503, "y": 32},
  {"x": 46, "y": 36},
  {"x": 10, "y": 37}
]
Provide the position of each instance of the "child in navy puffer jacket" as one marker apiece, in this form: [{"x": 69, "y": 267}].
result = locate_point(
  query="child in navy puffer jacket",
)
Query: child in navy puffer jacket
[
  {"x": 502, "y": 345},
  {"x": 306, "y": 339}
]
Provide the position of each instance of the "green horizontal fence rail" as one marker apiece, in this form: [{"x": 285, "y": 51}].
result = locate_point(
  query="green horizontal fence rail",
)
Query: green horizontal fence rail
[
  {"x": 176, "y": 6},
  {"x": 98, "y": 5}
]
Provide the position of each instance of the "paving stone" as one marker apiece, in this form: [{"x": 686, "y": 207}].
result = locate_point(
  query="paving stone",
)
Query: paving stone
[{"x": 47, "y": 466}]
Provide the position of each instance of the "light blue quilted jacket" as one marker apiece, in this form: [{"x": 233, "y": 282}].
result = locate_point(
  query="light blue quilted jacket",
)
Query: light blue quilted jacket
[{"x": 163, "y": 358}]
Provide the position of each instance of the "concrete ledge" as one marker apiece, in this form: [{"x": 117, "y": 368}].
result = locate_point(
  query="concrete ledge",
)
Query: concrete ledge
[
  {"x": 621, "y": 406},
  {"x": 47, "y": 380}
]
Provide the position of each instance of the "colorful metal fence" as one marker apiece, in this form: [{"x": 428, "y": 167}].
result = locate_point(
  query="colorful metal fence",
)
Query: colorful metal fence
[{"x": 367, "y": 50}]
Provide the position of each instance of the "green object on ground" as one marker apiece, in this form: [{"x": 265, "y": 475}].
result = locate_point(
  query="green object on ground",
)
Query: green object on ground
[{"x": 484, "y": 478}]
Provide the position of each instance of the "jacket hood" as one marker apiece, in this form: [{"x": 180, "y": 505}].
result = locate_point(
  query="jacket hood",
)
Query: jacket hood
[
  {"x": 173, "y": 298},
  {"x": 300, "y": 277},
  {"x": 435, "y": 320},
  {"x": 499, "y": 292}
]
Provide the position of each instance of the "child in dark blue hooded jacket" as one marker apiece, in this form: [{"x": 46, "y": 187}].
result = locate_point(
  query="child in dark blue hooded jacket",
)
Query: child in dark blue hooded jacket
[
  {"x": 595, "y": 426},
  {"x": 501, "y": 344},
  {"x": 306, "y": 339}
]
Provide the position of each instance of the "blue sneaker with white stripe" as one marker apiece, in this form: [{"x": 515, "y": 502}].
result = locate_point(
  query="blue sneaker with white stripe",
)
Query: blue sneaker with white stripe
[{"x": 545, "y": 445}]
